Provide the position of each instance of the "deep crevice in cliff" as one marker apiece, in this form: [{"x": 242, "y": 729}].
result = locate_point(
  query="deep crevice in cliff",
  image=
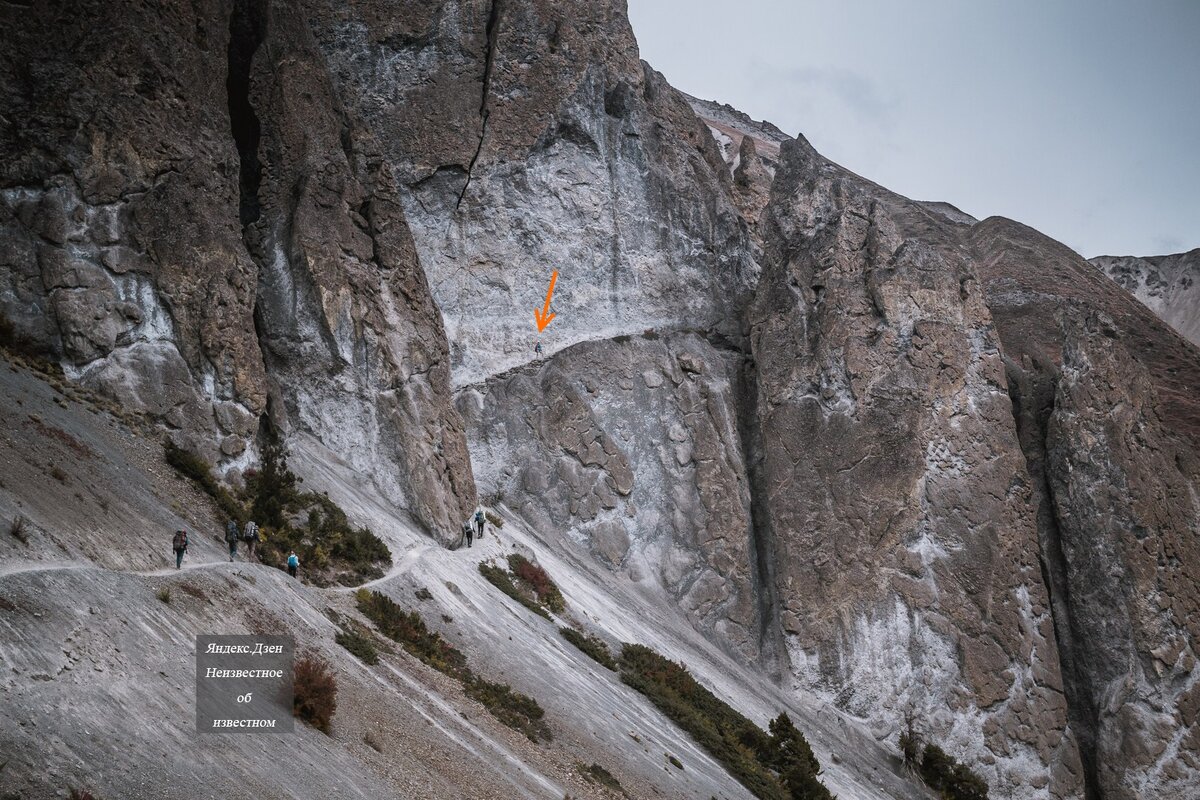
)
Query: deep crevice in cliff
[
  {"x": 247, "y": 29},
  {"x": 1032, "y": 396},
  {"x": 772, "y": 653},
  {"x": 485, "y": 111}
]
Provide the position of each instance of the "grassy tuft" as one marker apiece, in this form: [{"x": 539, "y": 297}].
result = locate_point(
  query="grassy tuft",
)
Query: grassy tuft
[
  {"x": 358, "y": 644},
  {"x": 950, "y": 779},
  {"x": 164, "y": 594},
  {"x": 537, "y": 579},
  {"x": 517, "y": 711},
  {"x": 409, "y": 630},
  {"x": 502, "y": 580},
  {"x": 592, "y": 646}
]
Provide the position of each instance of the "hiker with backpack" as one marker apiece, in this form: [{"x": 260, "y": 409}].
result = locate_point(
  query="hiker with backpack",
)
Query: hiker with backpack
[
  {"x": 231, "y": 537},
  {"x": 479, "y": 518},
  {"x": 293, "y": 563},
  {"x": 251, "y": 537},
  {"x": 179, "y": 544},
  {"x": 468, "y": 532}
]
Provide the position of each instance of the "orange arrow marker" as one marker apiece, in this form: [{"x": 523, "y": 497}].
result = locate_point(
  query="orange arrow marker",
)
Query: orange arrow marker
[{"x": 543, "y": 315}]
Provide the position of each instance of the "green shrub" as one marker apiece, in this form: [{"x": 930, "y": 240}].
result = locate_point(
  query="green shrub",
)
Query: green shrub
[
  {"x": 273, "y": 486},
  {"x": 164, "y": 594},
  {"x": 591, "y": 646},
  {"x": 787, "y": 752},
  {"x": 778, "y": 766},
  {"x": 409, "y": 630},
  {"x": 329, "y": 547},
  {"x": 675, "y": 762},
  {"x": 517, "y": 711},
  {"x": 514, "y": 709},
  {"x": 314, "y": 694},
  {"x": 502, "y": 580},
  {"x": 358, "y": 644},
  {"x": 952, "y": 780},
  {"x": 538, "y": 580}
]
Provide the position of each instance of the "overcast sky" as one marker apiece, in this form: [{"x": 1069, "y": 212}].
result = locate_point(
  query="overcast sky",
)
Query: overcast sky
[{"x": 1078, "y": 117}]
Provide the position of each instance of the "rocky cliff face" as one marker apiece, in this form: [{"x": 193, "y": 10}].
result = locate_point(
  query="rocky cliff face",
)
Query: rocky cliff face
[
  {"x": 1168, "y": 285},
  {"x": 193, "y": 222},
  {"x": 897, "y": 501},
  {"x": 892, "y": 457},
  {"x": 1109, "y": 430}
]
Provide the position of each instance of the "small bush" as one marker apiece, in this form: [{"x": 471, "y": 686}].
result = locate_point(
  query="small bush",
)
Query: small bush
[
  {"x": 591, "y": 646},
  {"x": 598, "y": 774},
  {"x": 952, "y": 780},
  {"x": 538, "y": 580},
  {"x": 517, "y": 711},
  {"x": 409, "y": 630},
  {"x": 314, "y": 698},
  {"x": 502, "y": 580},
  {"x": 164, "y": 594},
  {"x": 496, "y": 520},
  {"x": 19, "y": 528},
  {"x": 358, "y": 644},
  {"x": 674, "y": 762},
  {"x": 514, "y": 709},
  {"x": 423, "y": 594}
]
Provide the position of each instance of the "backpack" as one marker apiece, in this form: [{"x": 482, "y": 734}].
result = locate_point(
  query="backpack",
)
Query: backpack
[
  {"x": 250, "y": 532},
  {"x": 180, "y": 540},
  {"x": 231, "y": 532},
  {"x": 293, "y": 561}
]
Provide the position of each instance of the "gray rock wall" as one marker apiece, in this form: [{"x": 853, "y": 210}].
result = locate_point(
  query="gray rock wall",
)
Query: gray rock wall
[
  {"x": 897, "y": 497},
  {"x": 193, "y": 222},
  {"x": 1168, "y": 285}
]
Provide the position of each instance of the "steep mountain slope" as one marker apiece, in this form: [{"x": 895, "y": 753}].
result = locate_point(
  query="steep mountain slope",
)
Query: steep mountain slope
[
  {"x": 98, "y": 672},
  {"x": 844, "y": 453},
  {"x": 1168, "y": 285}
]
